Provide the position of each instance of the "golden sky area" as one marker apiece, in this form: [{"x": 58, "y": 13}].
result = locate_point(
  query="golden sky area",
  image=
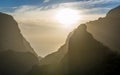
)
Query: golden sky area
[{"x": 47, "y": 30}]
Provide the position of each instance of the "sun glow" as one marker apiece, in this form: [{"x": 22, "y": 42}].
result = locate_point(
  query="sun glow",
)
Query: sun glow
[{"x": 67, "y": 17}]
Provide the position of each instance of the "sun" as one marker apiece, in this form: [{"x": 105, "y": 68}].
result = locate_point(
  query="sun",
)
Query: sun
[{"x": 67, "y": 17}]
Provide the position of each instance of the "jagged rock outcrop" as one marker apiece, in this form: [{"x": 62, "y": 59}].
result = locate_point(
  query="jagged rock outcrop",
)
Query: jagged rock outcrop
[{"x": 11, "y": 37}]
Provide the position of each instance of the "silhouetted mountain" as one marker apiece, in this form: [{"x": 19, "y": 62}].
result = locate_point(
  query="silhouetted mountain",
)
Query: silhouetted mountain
[
  {"x": 11, "y": 37},
  {"x": 87, "y": 56},
  {"x": 92, "y": 50},
  {"x": 16, "y": 55},
  {"x": 107, "y": 29}
]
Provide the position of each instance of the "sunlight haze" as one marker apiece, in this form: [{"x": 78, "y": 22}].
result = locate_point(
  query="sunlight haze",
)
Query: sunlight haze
[{"x": 46, "y": 23}]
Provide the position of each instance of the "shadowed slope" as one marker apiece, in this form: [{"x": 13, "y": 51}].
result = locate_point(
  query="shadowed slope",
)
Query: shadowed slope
[{"x": 11, "y": 37}]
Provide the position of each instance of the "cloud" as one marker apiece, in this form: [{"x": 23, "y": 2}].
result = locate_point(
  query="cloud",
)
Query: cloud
[
  {"x": 92, "y": 3},
  {"x": 33, "y": 15},
  {"x": 45, "y": 1},
  {"x": 92, "y": 6},
  {"x": 79, "y": 4},
  {"x": 95, "y": 4}
]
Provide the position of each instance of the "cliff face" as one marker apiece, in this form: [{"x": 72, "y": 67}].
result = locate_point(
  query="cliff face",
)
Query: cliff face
[
  {"x": 10, "y": 35},
  {"x": 107, "y": 29}
]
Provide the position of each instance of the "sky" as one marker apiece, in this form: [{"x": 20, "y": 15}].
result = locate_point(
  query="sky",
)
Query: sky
[{"x": 36, "y": 19}]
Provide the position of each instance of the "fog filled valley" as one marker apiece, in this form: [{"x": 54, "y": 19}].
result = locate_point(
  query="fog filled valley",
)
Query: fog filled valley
[{"x": 93, "y": 48}]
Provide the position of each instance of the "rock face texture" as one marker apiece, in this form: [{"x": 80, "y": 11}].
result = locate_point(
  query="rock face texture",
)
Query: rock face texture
[{"x": 10, "y": 35}]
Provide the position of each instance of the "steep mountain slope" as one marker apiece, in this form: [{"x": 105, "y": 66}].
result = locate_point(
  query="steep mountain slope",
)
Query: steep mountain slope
[
  {"x": 107, "y": 29},
  {"x": 11, "y": 37},
  {"x": 17, "y": 57}
]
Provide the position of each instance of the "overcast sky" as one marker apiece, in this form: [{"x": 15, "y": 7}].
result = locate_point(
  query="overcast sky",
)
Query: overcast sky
[{"x": 38, "y": 25}]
